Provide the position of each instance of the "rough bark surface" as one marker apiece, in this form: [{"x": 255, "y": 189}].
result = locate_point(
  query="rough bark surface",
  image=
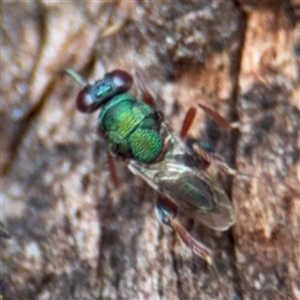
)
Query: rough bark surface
[{"x": 73, "y": 235}]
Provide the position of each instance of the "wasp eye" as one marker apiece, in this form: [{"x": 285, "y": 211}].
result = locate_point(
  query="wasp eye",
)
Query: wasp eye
[
  {"x": 121, "y": 80},
  {"x": 85, "y": 101}
]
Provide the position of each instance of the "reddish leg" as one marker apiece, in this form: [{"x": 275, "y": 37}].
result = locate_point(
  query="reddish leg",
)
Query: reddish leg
[
  {"x": 188, "y": 120},
  {"x": 111, "y": 164},
  {"x": 190, "y": 116},
  {"x": 166, "y": 212},
  {"x": 140, "y": 81},
  {"x": 197, "y": 247},
  {"x": 112, "y": 169},
  {"x": 210, "y": 158},
  {"x": 216, "y": 117},
  {"x": 215, "y": 159}
]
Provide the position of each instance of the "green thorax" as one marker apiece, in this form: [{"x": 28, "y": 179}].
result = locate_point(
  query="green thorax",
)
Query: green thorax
[{"x": 132, "y": 128}]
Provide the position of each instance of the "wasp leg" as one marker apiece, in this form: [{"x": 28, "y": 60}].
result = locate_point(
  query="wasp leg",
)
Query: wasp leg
[
  {"x": 216, "y": 117},
  {"x": 111, "y": 164},
  {"x": 140, "y": 81},
  {"x": 187, "y": 123},
  {"x": 112, "y": 169},
  {"x": 207, "y": 155},
  {"x": 204, "y": 150},
  {"x": 214, "y": 159},
  {"x": 190, "y": 116},
  {"x": 166, "y": 212}
]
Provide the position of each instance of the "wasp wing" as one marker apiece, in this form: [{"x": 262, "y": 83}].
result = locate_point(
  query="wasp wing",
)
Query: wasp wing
[
  {"x": 195, "y": 192},
  {"x": 198, "y": 194}
]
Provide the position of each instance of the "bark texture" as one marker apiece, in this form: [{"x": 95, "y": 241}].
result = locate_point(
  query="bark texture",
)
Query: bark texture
[{"x": 73, "y": 235}]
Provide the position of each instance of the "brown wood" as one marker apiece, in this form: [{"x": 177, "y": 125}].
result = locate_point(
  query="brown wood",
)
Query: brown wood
[{"x": 73, "y": 234}]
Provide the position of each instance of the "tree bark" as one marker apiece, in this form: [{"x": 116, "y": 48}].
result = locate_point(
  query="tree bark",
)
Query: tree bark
[{"x": 73, "y": 234}]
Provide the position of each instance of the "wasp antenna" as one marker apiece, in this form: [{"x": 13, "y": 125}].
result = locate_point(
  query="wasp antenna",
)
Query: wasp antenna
[{"x": 76, "y": 76}]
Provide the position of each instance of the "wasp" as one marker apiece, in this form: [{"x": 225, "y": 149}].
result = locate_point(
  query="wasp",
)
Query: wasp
[{"x": 135, "y": 132}]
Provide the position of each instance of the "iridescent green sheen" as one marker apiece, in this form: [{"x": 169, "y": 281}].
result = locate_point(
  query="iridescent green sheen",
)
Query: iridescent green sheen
[
  {"x": 145, "y": 144},
  {"x": 131, "y": 128},
  {"x": 197, "y": 191}
]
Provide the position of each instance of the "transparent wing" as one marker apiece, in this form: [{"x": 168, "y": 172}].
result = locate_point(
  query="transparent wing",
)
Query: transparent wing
[
  {"x": 198, "y": 195},
  {"x": 195, "y": 192}
]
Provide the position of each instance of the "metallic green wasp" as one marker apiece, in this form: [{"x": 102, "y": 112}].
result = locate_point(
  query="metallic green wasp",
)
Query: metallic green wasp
[{"x": 137, "y": 133}]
